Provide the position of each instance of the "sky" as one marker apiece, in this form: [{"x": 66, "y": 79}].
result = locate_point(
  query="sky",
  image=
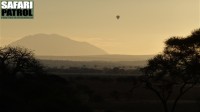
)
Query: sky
[{"x": 143, "y": 26}]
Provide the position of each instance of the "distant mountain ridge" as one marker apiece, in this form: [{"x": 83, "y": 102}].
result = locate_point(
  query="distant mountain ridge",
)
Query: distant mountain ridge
[
  {"x": 56, "y": 45},
  {"x": 108, "y": 58}
]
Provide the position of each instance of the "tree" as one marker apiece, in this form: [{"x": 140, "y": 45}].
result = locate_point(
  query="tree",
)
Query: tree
[
  {"x": 36, "y": 91},
  {"x": 177, "y": 66},
  {"x": 14, "y": 60}
]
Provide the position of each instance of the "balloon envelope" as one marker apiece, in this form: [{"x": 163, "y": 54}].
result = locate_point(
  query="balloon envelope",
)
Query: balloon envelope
[{"x": 117, "y": 16}]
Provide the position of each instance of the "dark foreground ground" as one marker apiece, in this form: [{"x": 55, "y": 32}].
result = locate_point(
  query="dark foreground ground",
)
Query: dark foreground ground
[
  {"x": 85, "y": 93},
  {"x": 110, "y": 93}
]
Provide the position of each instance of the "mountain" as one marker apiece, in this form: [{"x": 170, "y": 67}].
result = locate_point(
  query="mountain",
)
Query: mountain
[
  {"x": 107, "y": 58},
  {"x": 56, "y": 45}
]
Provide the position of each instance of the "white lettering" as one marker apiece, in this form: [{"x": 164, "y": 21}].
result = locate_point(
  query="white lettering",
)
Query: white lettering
[
  {"x": 31, "y": 5},
  {"x": 10, "y": 5},
  {"x": 16, "y": 5},
  {"x": 20, "y": 5},
  {"x": 4, "y": 5},
  {"x": 26, "y": 5}
]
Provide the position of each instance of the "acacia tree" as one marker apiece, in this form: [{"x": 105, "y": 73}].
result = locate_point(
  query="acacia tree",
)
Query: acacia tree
[
  {"x": 14, "y": 60},
  {"x": 177, "y": 66}
]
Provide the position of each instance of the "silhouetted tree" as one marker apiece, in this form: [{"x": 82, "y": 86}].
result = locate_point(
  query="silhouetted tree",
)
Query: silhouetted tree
[
  {"x": 15, "y": 60},
  {"x": 36, "y": 91},
  {"x": 178, "y": 66}
]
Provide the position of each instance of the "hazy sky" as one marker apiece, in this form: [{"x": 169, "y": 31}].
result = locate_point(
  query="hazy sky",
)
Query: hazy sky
[{"x": 143, "y": 27}]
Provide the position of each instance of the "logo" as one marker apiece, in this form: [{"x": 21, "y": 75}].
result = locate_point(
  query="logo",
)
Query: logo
[{"x": 23, "y": 9}]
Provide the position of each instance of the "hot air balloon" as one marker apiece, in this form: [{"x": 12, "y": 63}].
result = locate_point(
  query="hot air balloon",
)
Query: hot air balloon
[{"x": 117, "y": 16}]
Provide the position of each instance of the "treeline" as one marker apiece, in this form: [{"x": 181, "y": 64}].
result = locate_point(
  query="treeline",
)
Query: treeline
[
  {"x": 93, "y": 64},
  {"x": 82, "y": 70}
]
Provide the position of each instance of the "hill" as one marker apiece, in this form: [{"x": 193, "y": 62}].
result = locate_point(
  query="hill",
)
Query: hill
[
  {"x": 56, "y": 45},
  {"x": 108, "y": 58}
]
